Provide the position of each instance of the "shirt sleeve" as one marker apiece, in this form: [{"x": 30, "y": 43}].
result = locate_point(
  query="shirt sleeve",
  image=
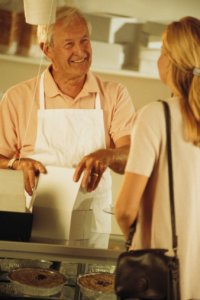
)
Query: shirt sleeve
[
  {"x": 8, "y": 137},
  {"x": 123, "y": 114},
  {"x": 145, "y": 140}
]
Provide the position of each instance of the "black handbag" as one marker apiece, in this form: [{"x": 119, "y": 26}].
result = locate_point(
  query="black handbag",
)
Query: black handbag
[{"x": 150, "y": 273}]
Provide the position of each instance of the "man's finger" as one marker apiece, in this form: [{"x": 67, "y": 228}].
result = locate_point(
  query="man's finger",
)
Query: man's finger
[
  {"x": 40, "y": 167},
  {"x": 94, "y": 180},
  {"x": 86, "y": 178},
  {"x": 78, "y": 171},
  {"x": 27, "y": 184}
]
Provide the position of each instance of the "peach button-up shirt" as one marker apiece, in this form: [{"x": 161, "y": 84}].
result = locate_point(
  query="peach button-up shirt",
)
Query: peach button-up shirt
[{"x": 19, "y": 106}]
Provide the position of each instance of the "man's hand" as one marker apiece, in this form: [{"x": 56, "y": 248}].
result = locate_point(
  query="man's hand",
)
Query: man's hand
[
  {"x": 31, "y": 169},
  {"x": 93, "y": 166}
]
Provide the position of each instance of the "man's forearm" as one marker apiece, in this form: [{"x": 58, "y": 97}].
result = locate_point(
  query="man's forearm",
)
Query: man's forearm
[
  {"x": 119, "y": 158},
  {"x": 93, "y": 165},
  {"x": 30, "y": 167}
]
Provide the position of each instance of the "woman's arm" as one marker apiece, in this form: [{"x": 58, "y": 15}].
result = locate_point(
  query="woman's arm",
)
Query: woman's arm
[{"x": 128, "y": 200}]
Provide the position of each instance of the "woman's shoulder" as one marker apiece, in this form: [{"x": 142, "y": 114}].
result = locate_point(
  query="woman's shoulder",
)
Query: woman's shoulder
[
  {"x": 149, "y": 111},
  {"x": 154, "y": 110}
]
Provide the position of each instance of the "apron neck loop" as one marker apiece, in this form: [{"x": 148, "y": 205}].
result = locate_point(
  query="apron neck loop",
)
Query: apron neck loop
[
  {"x": 98, "y": 102},
  {"x": 42, "y": 100},
  {"x": 41, "y": 94}
]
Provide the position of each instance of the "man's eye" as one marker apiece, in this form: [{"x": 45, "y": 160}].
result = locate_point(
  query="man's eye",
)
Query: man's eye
[
  {"x": 85, "y": 41},
  {"x": 68, "y": 45}
]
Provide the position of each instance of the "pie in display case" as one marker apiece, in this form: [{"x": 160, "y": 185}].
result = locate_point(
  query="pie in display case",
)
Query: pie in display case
[{"x": 78, "y": 266}]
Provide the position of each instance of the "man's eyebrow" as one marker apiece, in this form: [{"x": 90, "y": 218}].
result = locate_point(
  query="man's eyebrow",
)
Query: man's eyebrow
[
  {"x": 67, "y": 40},
  {"x": 71, "y": 39}
]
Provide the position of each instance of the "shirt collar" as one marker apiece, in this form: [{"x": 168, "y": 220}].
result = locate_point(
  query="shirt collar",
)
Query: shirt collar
[
  {"x": 52, "y": 90},
  {"x": 50, "y": 87}
]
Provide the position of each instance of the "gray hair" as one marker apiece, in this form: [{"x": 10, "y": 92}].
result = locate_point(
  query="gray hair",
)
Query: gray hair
[{"x": 44, "y": 32}]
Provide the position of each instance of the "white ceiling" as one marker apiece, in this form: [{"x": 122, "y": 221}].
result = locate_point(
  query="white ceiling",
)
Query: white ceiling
[
  {"x": 152, "y": 10},
  {"x": 145, "y": 10}
]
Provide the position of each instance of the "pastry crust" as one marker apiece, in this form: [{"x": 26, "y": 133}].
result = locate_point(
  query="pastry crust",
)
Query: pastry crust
[
  {"x": 37, "y": 277},
  {"x": 102, "y": 282}
]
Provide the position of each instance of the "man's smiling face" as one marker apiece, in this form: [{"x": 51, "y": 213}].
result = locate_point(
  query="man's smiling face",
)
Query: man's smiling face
[{"x": 71, "y": 52}]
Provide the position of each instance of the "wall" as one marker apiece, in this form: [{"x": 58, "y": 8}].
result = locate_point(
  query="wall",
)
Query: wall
[{"x": 154, "y": 10}]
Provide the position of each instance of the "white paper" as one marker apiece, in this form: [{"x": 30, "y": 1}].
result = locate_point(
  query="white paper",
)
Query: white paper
[
  {"x": 12, "y": 196},
  {"x": 54, "y": 201}
]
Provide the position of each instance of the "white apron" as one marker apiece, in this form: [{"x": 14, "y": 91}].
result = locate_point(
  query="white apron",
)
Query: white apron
[{"x": 64, "y": 137}]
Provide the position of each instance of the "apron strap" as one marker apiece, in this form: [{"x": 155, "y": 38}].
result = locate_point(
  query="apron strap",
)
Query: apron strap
[
  {"x": 41, "y": 93},
  {"x": 98, "y": 102}
]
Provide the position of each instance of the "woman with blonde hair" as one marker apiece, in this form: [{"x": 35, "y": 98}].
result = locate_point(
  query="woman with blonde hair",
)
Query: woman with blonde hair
[{"x": 144, "y": 194}]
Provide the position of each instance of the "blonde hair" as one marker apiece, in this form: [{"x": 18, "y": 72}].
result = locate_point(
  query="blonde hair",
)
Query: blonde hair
[
  {"x": 182, "y": 44},
  {"x": 68, "y": 13}
]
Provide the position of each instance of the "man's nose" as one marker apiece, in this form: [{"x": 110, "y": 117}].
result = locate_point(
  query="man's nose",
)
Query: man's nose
[{"x": 78, "y": 49}]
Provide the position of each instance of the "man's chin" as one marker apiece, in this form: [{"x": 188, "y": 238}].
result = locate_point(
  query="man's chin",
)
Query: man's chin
[{"x": 82, "y": 70}]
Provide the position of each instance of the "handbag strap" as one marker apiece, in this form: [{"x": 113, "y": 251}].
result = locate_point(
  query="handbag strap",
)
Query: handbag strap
[
  {"x": 171, "y": 184},
  {"x": 170, "y": 174}
]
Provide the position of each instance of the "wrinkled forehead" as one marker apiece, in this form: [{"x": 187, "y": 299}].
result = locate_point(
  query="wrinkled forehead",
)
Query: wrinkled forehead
[
  {"x": 71, "y": 24},
  {"x": 71, "y": 21}
]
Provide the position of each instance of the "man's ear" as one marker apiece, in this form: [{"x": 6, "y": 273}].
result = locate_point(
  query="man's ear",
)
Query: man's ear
[{"x": 45, "y": 49}]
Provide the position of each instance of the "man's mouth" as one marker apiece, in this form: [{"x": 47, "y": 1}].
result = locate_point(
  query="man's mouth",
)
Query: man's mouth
[{"x": 78, "y": 61}]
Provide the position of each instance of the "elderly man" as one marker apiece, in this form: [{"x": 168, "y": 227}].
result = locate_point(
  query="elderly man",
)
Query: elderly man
[{"x": 68, "y": 117}]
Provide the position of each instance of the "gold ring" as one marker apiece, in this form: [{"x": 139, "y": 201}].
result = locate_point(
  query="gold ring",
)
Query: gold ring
[{"x": 95, "y": 174}]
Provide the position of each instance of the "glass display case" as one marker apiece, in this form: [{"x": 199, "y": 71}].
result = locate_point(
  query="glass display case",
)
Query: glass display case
[{"x": 72, "y": 261}]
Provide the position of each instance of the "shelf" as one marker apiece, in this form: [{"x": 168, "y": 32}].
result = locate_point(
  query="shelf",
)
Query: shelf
[
  {"x": 61, "y": 251},
  {"x": 44, "y": 62},
  {"x": 24, "y": 59}
]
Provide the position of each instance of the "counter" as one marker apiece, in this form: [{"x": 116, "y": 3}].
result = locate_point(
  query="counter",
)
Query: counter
[
  {"x": 65, "y": 257},
  {"x": 62, "y": 251}
]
